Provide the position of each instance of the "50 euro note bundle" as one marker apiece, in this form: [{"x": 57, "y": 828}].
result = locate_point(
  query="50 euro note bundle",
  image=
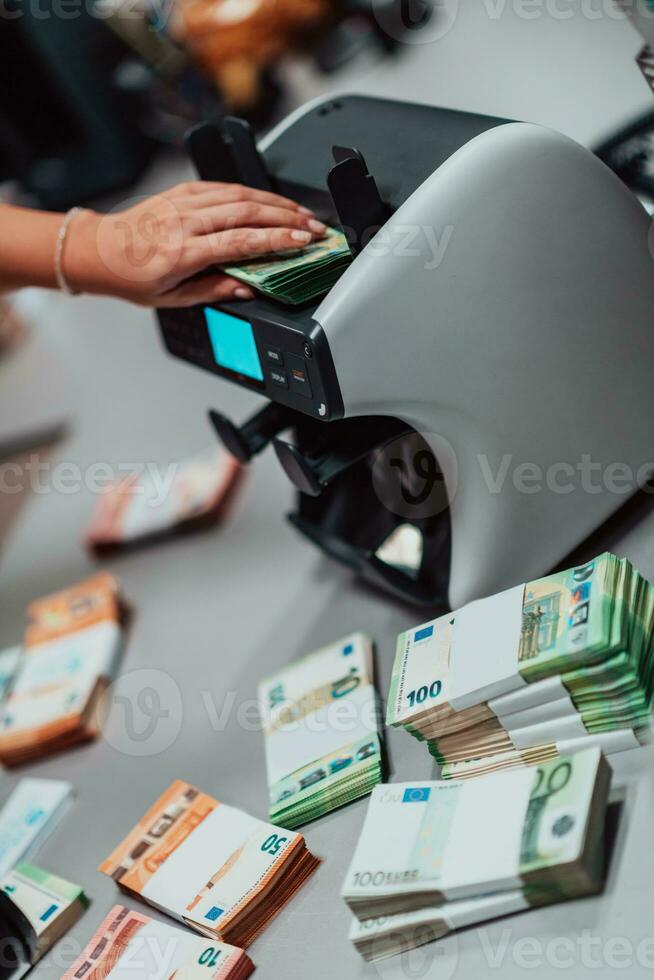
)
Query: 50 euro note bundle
[
  {"x": 211, "y": 866},
  {"x": 152, "y": 503},
  {"x": 321, "y": 727},
  {"x": 532, "y": 673},
  {"x": 73, "y": 641},
  {"x": 128, "y": 943},
  {"x": 436, "y": 856}
]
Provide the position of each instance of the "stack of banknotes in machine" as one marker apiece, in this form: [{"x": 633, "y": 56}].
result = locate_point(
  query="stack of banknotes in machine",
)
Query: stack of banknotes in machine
[
  {"x": 436, "y": 856},
  {"x": 209, "y": 865},
  {"x": 155, "y": 502},
  {"x": 72, "y": 643},
  {"x": 36, "y": 909},
  {"x": 299, "y": 277},
  {"x": 130, "y": 944},
  {"x": 531, "y": 673},
  {"x": 321, "y": 726}
]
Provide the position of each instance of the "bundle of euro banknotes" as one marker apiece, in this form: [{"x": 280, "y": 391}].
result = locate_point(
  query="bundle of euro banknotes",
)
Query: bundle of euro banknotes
[
  {"x": 36, "y": 909},
  {"x": 532, "y": 673},
  {"x": 436, "y": 856},
  {"x": 128, "y": 943},
  {"x": 299, "y": 277},
  {"x": 29, "y": 815},
  {"x": 73, "y": 641},
  {"x": 216, "y": 869},
  {"x": 321, "y": 727},
  {"x": 152, "y": 503}
]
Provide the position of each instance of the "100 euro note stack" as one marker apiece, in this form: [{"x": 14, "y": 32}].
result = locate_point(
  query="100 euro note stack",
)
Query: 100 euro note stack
[
  {"x": 436, "y": 856},
  {"x": 130, "y": 944},
  {"x": 321, "y": 728},
  {"x": 532, "y": 673},
  {"x": 72, "y": 643},
  {"x": 211, "y": 866}
]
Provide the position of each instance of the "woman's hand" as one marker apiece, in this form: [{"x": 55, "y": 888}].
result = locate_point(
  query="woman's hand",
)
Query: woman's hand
[{"x": 163, "y": 250}]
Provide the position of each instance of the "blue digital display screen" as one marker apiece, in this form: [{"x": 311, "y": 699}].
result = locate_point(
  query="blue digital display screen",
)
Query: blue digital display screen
[{"x": 232, "y": 340}]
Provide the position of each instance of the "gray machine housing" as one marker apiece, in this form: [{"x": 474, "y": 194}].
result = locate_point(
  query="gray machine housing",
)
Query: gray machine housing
[{"x": 503, "y": 313}]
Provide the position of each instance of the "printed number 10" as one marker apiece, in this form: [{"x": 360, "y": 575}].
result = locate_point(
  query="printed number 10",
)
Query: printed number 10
[
  {"x": 210, "y": 957},
  {"x": 417, "y": 697}
]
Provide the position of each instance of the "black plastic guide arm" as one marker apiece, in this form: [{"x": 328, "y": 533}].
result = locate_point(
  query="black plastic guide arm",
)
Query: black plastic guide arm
[
  {"x": 350, "y": 443},
  {"x": 227, "y": 151},
  {"x": 359, "y": 205},
  {"x": 252, "y": 437}
]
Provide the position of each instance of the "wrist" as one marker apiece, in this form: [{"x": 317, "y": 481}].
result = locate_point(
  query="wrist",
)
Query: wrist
[{"x": 82, "y": 268}]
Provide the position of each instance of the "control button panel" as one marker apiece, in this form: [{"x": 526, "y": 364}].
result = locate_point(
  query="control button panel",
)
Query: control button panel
[{"x": 294, "y": 368}]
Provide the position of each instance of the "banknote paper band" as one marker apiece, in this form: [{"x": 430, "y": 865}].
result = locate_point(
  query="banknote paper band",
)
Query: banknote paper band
[
  {"x": 485, "y": 646},
  {"x": 529, "y": 696},
  {"x": 469, "y": 863}
]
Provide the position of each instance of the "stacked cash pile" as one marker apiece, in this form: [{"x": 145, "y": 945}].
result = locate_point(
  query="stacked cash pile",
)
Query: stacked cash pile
[
  {"x": 73, "y": 640},
  {"x": 320, "y": 722},
  {"x": 9, "y": 660},
  {"x": 213, "y": 867},
  {"x": 132, "y": 944},
  {"x": 29, "y": 815},
  {"x": 433, "y": 856},
  {"x": 532, "y": 673},
  {"x": 36, "y": 909},
  {"x": 152, "y": 503},
  {"x": 300, "y": 277}
]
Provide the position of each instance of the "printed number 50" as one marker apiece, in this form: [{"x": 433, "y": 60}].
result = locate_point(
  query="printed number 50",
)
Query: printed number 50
[
  {"x": 417, "y": 697},
  {"x": 273, "y": 843}
]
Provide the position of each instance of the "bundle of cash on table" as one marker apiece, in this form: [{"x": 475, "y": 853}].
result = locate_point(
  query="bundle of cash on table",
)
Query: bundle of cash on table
[
  {"x": 130, "y": 944},
  {"x": 72, "y": 643},
  {"x": 321, "y": 727},
  {"x": 436, "y": 856},
  {"x": 211, "y": 866},
  {"x": 29, "y": 815},
  {"x": 36, "y": 909},
  {"x": 532, "y": 673},
  {"x": 299, "y": 277},
  {"x": 152, "y": 503}
]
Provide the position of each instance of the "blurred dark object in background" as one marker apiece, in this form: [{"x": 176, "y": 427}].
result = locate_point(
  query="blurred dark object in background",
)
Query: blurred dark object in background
[
  {"x": 67, "y": 134},
  {"x": 630, "y": 154},
  {"x": 86, "y": 99},
  {"x": 198, "y": 60}
]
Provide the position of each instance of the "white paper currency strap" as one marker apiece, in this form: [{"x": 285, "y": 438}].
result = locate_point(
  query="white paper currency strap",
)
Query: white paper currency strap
[
  {"x": 537, "y": 693},
  {"x": 483, "y": 856},
  {"x": 561, "y": 708},
  {"x": 485, "y": 644},
  {"x": 608, "y": 742},
  {"x": 469, "y": 912},
  {"x": 549, "y": 731}
]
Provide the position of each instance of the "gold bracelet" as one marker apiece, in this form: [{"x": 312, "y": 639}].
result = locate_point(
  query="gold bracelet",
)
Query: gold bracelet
[{"x": 59, "y": 253}]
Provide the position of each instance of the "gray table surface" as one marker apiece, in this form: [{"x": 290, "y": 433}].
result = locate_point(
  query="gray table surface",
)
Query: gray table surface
[{"x": 216, "y": 611}]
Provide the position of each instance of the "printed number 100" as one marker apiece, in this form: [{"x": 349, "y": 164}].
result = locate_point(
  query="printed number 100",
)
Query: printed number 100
[{"x": 424, "y": 692}]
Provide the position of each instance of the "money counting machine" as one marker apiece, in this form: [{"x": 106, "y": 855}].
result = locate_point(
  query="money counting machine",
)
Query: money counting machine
[{"x": 474, "y": 396}]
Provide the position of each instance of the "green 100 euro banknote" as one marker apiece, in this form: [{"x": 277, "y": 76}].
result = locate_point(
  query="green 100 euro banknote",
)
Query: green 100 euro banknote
[
  {"x": 320, "y": 722},
  {"x": 298, "y": 277},
  {"x": 538, "y": 830}
]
